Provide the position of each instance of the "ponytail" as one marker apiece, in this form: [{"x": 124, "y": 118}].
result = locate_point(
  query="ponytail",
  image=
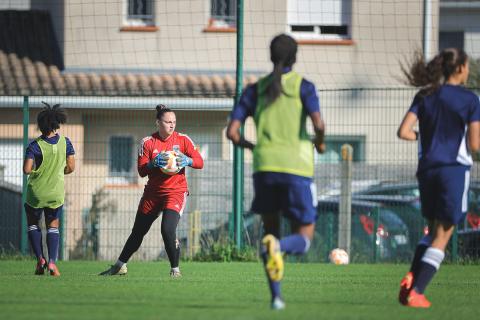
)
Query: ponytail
[
  {"x": 283, "y": 52},
  {"x": 430, "y": 76}
]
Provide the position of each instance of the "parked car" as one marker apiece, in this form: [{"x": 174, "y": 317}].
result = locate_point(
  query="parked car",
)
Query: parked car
[
  {"x": 377, "y": 233},
  {"x": 404, "y": 198}
]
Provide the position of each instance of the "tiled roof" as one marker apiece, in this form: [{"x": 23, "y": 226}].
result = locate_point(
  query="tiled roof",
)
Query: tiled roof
[{"x": 31, "y": 64}]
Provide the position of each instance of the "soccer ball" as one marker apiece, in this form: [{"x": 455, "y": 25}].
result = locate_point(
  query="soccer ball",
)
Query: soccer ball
[
  {"x": 171, "y": 167},
  {"x": 338, "y": 256}
]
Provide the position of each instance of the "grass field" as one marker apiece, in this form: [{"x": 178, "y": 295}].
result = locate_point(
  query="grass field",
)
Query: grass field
[{"x": 228, "y": 291}]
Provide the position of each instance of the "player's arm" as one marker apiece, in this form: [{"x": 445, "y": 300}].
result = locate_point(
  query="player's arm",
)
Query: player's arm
[
  {"x": 70, "y": 161},
  {"x": 233, "y": 134},
  {"x": 243, "y": 109},
  {"x": 319, "y": 128},
  {"x": 406, "y": 131},
  {"x": 27, "y": 166},
  {"x": 145, "y": 165},
  {"x": 190, "y": 157},
  {"x": 311, "y": 104},
  {"x": 29, "y": 161},
  {"x": 70, "y": 164}
]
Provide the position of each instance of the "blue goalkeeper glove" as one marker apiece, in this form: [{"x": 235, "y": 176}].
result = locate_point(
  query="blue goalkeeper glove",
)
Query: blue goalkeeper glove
[
  {"x": 183, "y": 160},
  {"x": 160, "y": 160}
]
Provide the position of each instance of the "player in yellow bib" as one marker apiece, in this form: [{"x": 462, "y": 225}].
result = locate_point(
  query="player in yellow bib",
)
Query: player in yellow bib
[
  {"x": 47, "y": 159},
  {"x": 280, "y": 104}
]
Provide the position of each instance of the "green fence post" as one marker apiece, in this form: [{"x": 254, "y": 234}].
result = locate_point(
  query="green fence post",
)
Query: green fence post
[
  {"x": 23, "y": 230},
  {"x": 330, "y": 234},
  {"x": 238, "y": 152},
  {"x": 455, "y": 246}
]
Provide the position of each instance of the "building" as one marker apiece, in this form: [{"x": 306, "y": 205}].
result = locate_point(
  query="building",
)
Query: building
[{"x": 112, "y": 62}]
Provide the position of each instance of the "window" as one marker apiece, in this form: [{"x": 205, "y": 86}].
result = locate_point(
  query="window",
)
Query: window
[
  {"x": 11, "y": 160},
  {"x": 334, "y": 144},
  {"x": 319, "y": 20},
  {"x": 451, "y": 39},
  {"x": 121, "y": 157},
  {"x": 140, "y": 12},
  {"x": 223, "y": 14}
]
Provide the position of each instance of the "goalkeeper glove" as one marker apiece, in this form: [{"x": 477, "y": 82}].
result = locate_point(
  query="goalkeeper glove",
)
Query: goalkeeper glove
[
  {"x": 183, "y": 160},
  {"x": 160, "y": 160}
]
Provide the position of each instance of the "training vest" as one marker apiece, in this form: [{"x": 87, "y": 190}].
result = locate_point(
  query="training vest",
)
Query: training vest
[
  {"x": 283, "y": 144},
  {"x": 46, "y": 186}
]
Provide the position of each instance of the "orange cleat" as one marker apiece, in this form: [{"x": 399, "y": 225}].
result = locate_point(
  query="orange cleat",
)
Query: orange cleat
[
  {"x": 405, "y": 288},
  {"x": 417, "y": 300},
  {"x": 41, "y": 266},
  {"x": 52, "y": 268}
]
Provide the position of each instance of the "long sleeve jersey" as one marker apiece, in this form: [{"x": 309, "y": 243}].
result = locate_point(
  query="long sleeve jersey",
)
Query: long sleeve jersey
[{"x": 159, "y": 182}]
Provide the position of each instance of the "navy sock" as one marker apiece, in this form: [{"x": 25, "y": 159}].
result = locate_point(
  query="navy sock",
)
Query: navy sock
[
  {"x": 273, "y": 285},
  {"x": 294, "y": 244},
  {"x": 417, "y": 258},
  {"x": 35, "y": 238},
  {"x": 53, "y": 240},
  {"x": 429, "y": 265}
]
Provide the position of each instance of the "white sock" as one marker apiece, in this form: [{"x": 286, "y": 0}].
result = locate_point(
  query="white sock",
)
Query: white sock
[
  {"x": 120, "y": 263},
  {"x": 176, "y": 269}
]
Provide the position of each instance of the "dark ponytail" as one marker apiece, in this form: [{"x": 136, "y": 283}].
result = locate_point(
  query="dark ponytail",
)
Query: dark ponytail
[
  {"x": 430, "y": 76},
  {"x": 50, "y": 118},
  {"x": 161, "y": 110},
  {"x": 283, "y": 53}
]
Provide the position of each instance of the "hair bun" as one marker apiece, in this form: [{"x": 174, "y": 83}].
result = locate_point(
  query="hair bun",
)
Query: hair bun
[{"x": 161, "y": 107}]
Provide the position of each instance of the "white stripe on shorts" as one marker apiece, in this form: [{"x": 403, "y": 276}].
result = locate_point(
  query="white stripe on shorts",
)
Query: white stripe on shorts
[{"x": 465, "y": 191}]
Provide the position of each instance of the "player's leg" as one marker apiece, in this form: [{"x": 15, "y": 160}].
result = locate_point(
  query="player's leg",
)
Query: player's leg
[
  {"x": 428, "y": 187},
  {"x": 170, "y": 220},
  {"x": 141, "y": 226},
  {"x": 52, "y": 219},
  {"x": 174, "y": 204},
  {"x": 35, "y": 237},
  {"x": 272, "y": 258},
  {"x": 451, "y": 208},
  {"x": 301, "y": 209}
]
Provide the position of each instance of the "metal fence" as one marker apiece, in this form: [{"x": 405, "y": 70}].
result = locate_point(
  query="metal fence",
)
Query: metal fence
[{"x": 102, "y": 195}]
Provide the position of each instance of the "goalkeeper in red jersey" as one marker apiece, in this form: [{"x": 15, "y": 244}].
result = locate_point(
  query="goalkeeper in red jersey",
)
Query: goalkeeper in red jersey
[{"x": 163, "y": 193}]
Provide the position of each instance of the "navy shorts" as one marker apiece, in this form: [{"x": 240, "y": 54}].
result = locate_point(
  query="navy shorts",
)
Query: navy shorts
[
  {"x": 443, "y": 193},
  {"x": 50, "y": 213},
  {"x": 294, "y": 196}
]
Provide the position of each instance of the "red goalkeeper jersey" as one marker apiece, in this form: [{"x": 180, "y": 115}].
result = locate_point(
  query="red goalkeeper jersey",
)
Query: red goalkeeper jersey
[{"x": 159, "y": 182}]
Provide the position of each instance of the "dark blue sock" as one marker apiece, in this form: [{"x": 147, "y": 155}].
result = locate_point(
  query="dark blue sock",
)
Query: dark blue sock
[
  {"x": 53, "y": 240},
  {"x": 424, "y": 276},
  {"x": 417, "y": 258},
  {"x": 35, "y": 238},
  {"x": 431, "y": 261},
  {"x": 273, "y": 285},
  {"x": 294, "y": 244}
]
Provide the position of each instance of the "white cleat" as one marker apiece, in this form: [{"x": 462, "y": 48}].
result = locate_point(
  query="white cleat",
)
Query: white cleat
[
  {"x": 278, "y": 304},
  {"x": 174, "y": 274},
  {"x": 115, "y": 270}
]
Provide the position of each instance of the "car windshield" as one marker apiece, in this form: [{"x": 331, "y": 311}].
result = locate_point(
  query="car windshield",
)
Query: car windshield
[{"x": 391, "y": 218}]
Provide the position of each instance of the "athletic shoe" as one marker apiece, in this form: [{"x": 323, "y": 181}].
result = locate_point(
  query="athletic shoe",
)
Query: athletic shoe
[
  {"x": 417, "y": 300},
  {"x": 41, "y": 266},
  {"x": 175, "y": 274},
  {"x": 278, "y": 304},
  {"x": 115, "y": 270},
  {"x": 52, "y": 268},
  {"x": 405, "y": 288},
  {"x": 274, "y": 259}
]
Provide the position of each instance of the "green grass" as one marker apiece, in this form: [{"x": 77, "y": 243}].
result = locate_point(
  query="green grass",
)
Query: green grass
[{"x": 229, "y": 291}]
